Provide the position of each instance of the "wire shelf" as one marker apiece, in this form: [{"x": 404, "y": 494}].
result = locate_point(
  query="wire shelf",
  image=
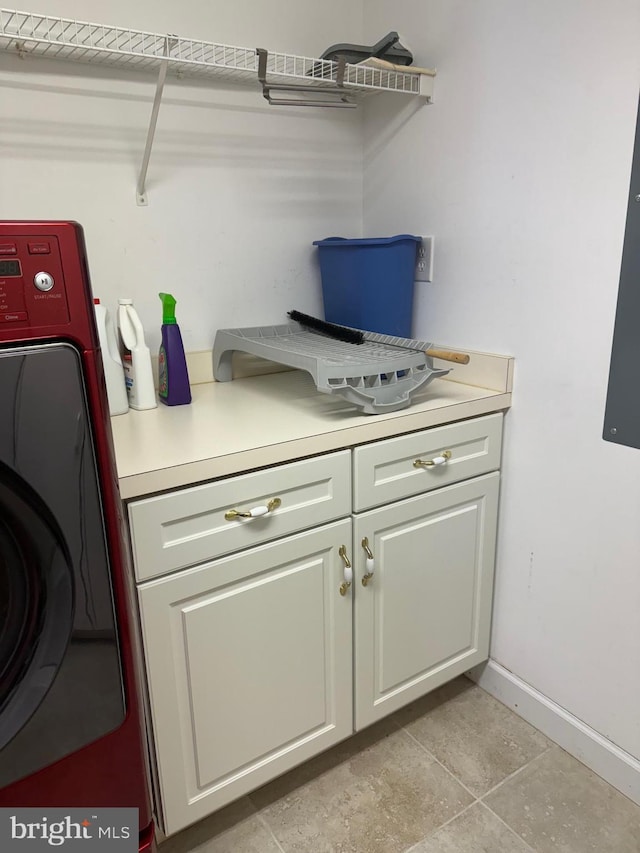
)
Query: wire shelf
[{"x": 31, "y": 34}]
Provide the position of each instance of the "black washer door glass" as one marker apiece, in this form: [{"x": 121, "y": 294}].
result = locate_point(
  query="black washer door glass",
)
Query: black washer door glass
[
  {"x": 36, "y": 602},
  {"x": 61, "y": 686}
]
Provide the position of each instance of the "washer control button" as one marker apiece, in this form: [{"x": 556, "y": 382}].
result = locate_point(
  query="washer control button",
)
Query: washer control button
[
  {"x": 39, "y": 248},
  {"x": 8, "y": 249},
  {"x": 43, "y": 281}
]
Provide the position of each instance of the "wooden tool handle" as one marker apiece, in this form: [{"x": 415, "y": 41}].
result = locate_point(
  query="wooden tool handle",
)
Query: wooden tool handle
[{"x": 447, "y": 355}]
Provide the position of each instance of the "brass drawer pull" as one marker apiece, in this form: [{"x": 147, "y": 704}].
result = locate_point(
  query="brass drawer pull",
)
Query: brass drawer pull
[
  {"x": 369, "y": 564},
  {"x": 256, "y": 512},
  {"x": 432, "y": 463},
  {"x": 348, "y": 571}
]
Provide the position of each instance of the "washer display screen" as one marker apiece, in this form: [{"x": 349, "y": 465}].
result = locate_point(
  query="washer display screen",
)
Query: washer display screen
[{"x": 10, "y": 268}]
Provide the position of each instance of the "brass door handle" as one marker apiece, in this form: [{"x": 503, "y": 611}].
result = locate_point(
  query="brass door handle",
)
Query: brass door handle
[
  {"x": 348, "y": 570},
  {"x": 256, "y": 512},
  {"x": 369, "y": 562},
  {"x": 433, "y": 463}
]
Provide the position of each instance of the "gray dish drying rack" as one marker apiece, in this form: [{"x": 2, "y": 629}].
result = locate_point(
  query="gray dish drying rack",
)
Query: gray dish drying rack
[{"x": 380, "y": 375}]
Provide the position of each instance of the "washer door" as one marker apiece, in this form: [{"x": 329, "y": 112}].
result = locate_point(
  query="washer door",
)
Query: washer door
[
  {"x": 61, "y": 685},
  {"x": 36, "y": 602}
]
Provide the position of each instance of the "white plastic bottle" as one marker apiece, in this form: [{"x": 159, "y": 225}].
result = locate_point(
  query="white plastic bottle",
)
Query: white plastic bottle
[
  {"x": 136, "y": 359},
  {"x": 113, "y": 370}
]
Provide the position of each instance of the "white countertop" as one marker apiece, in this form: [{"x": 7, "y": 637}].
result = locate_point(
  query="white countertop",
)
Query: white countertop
[{"x": 264, "y": 420}]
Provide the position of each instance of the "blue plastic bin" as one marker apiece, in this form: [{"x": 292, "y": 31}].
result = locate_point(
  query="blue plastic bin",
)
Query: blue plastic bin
[{"x": 368, "y": 283}]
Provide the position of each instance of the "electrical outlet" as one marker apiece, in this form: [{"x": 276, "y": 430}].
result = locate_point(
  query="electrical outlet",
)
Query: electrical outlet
[{"x": 424, "y": 260}]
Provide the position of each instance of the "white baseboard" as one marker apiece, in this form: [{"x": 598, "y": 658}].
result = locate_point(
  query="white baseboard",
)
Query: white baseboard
[{"x": 613, "y": 764}]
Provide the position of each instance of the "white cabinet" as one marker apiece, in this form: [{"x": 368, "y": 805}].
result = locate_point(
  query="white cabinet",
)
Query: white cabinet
[
  {"x": 424, "y": 615},
  {"x": 249, "y": 667},
  {"x": 259, "y": 650}
]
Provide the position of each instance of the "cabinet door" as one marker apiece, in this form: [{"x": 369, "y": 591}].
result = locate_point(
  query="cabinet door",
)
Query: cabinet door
[
  {"x": 249, "y": 662},
  {"x": 424, "y": 617}
]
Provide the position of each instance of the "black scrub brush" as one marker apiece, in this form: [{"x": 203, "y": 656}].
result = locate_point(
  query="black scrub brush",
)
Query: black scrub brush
[
  {"x": 354, "y": 336},
  {"x": 331, "y": 330}
]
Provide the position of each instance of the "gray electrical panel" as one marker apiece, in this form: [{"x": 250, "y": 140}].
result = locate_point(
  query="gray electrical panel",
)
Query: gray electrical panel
[{"x": 622, "y": 414}]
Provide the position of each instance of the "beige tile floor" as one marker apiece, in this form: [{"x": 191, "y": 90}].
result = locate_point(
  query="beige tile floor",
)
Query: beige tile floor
[{"x": 456, "y": 772}]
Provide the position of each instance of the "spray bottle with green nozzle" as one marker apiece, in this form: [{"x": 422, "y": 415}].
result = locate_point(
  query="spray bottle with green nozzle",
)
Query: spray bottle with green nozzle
[{"x": 173, "y": 377}]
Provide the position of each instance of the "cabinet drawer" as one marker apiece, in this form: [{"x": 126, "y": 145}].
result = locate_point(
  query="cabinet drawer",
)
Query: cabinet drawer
[
  {"x": 180, "y": 529},
  {"x": 385, "y": 471}
]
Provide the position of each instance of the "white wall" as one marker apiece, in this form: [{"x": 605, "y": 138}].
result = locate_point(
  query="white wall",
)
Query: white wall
[
  {"x": 238, "y": 189},
  {"x": 521, "y": 170}
]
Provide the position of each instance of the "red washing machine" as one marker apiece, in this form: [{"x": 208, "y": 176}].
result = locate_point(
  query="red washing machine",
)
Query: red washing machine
[{"x": 71, "y": 720}]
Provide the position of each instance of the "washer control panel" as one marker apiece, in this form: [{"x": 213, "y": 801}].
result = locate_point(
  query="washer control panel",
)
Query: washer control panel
[{"x": 32, "y": 287}]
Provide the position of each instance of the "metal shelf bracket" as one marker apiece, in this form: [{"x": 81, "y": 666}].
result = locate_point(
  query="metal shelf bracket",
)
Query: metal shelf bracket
[
  {"x": 322, "y": 90},
  {"x": 142, "y": 199}
]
